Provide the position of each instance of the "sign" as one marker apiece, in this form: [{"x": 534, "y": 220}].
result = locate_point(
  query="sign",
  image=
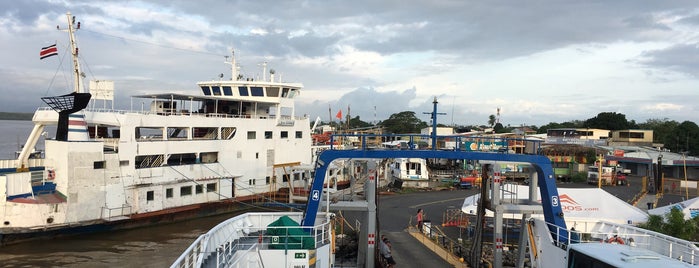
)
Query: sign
[
  {"x": 300, "y": 255},
  {"x": 275, "y": 239},
  {"x": 316, "y": 195},
  {"x": 619, "y": 153},
  {"x": 554, "y": 201}
]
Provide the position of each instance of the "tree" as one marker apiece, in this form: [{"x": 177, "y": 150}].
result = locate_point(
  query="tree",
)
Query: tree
[
  {"x": 662, "y": 129},
  {"x": 571, "y": 124},
  {"x": 403, "y": 123},
  {"x": 358, "y": 123},
  {"x": 673, "y": 224},
  {"x": 608, "y": 121},
  {"x": 684, "y": 137},
  {"x": 491, "y": 120}
]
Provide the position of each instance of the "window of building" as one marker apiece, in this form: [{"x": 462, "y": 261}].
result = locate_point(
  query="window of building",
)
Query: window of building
[
  {"x": 211, "y": 187},
  {"x": 98, "y": 165},
  {"x": 150, "y": 196},
  {"x": 198, "y": 189},
  {"x": 168, "y": 193},
  {"x": 185, "y": 190}
]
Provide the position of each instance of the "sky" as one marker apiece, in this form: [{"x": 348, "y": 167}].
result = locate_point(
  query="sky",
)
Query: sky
[{"x": 537, "y": 61}]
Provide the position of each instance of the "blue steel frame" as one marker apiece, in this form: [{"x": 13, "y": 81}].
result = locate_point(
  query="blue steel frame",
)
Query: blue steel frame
[{"x": 553, "y": 213}]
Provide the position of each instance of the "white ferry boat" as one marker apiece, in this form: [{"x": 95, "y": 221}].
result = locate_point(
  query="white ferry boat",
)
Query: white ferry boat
[
  {"x": 178, "y": 157},
  {"x": 410, "y": 172}
]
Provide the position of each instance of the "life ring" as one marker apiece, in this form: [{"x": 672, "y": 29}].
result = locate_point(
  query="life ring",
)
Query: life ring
[{"x": 51, "y": 174}]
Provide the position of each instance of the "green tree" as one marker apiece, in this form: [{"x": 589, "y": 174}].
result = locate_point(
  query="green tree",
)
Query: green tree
[
  {"x": 685, "y": 137},
  {"x": 673, "y": 224},
  {"x": 662, "y": 129},
  {"x": 491, "y": 120},
  {"x": 609, "y": 121},
  {"x": 358, "y": 123},
  {"x": 403, "y": 123},
  {"x": 677, "y": 226},
  {"x": 552, "y": 125}
]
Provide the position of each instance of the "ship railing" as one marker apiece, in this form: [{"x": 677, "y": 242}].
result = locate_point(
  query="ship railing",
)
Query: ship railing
[
  {"x": 232, "y": 240},
  {"x": 108, "y": 213},
  {"x": 443, "y": 142},
  {"x": 604, "y": 232}
]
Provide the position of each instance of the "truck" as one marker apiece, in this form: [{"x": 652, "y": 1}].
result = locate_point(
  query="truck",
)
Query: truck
[{"x": 611, "y": 175}]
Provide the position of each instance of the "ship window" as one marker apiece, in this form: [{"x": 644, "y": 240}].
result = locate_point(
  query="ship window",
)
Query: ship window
[
  {"x": 292, "y": 93},
  {"x": 211, "y": 187},
  {"x": 296, "y": 176},
  {"x": 272, "y": 92},
  {"x": 252, "y": 135},
  {"x": 150, "y": 196},
  {"x": 216, "y": 91},
  {"x": 227, "y": 133},
  {"x": 285, "y": 92},
  {"x": 299, "y": 134},
  {"x": 98, "y": 165},
  {"x": 267, "y": 180},
  {"x": 182, "y": 159},
  {"x": 251, "y": 182},
  {"x": 268, "y": 135},
  {"x": 149, "y": 133},
  {"x": 208, "y": 157},
  {"x": 227, "y": 91},
  {"x": 285, "y": 178},
  {"x": 284, "y": 134},
  {"x": 199, "y": 189},
  {"x": 206, "y": 90},
  {"x": 204, "y": 133},
  {"x": 257, "y": 92},
  {"x": 168, "y": 193},
  {"x": 177, "y": 133},
  {"x": 185, "y": 190},
  {"x": 124, "y": 163},
  {"x": 243, "y": 91}
]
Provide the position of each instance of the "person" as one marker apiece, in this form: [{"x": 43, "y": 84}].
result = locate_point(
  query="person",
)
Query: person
[
  {"x": 632, "y": 243},
  {"x": 615, "y": 240},
  {"x": 419, "y": 219},
  {"x": 385, "y": 250},
  {"x": 574, "y": 236}
]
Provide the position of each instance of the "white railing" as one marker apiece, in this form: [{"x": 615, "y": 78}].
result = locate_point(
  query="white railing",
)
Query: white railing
[
  {"x": 601, "y": 231},
  {"x": 235, "y": 238}
]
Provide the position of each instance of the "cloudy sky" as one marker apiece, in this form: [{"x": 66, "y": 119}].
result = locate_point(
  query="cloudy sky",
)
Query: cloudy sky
[{"x": 539, "y": 61}]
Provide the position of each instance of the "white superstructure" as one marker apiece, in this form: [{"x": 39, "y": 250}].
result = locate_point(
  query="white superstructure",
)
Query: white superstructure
[{"x": 180, "y": 156}]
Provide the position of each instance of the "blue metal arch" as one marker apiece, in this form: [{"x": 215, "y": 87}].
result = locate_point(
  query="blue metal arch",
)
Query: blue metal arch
[{"x": 553, "y": 212}]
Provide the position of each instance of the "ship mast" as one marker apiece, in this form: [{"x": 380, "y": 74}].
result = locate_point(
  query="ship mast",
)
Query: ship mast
[{"x": 74, "y": 52}]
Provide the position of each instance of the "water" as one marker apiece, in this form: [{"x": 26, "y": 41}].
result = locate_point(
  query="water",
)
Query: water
[{"x": 156, "y": 246}]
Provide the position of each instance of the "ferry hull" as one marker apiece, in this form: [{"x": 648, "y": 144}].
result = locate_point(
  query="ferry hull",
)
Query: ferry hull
[{"x": 19, "y": 235}]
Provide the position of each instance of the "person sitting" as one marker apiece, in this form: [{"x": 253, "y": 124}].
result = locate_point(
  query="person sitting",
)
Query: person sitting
[
  {"x": 574, "y": 236},
  {"x": 385, "y": 249},
  {"x": 615, "y": 240}
]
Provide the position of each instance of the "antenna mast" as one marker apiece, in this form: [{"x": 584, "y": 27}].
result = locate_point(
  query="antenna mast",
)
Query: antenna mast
[{"x": 74, "y": 52}]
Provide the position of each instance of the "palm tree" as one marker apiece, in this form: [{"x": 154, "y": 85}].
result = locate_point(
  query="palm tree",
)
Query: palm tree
[{"x": 491, "y": 120}]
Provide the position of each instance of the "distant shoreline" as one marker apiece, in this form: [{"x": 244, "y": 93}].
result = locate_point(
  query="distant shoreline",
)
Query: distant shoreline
[{"x": 16, "y": 116}]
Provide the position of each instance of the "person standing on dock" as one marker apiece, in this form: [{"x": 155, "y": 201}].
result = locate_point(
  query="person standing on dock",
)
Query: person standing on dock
[{"x": 419, "y": 219}]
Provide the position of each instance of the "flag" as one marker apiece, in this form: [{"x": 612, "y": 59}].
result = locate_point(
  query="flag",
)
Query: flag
[
  {"x": 339, "y": 114},
  {"x": 48, "y": 51}
]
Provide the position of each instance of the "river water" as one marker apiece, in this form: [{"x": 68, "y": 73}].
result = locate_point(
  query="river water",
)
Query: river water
[{"x": 156, "y": 246}]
